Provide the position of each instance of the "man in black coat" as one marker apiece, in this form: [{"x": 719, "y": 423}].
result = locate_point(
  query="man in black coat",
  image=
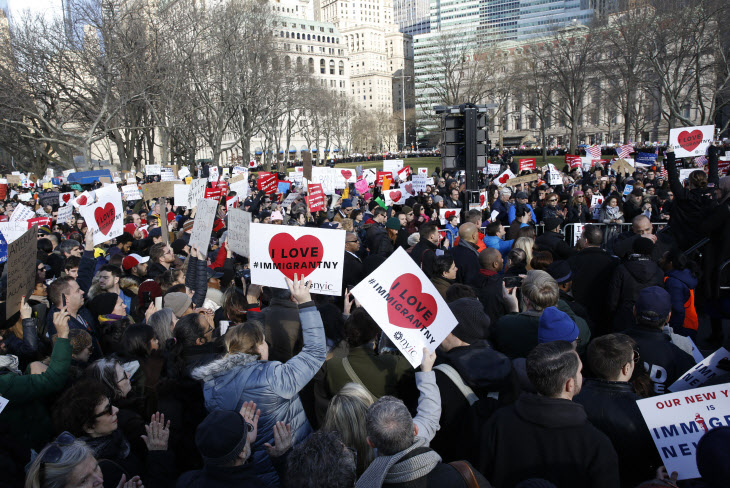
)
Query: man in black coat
[
  {"x": 424, "y": 253},
  {"x": 546, "y": 435},
  {"x": 488, "y": 285},
  {"x": 352, "y": 271},
  {"x": 641, "y": 227},
  {"x": 552, "y": 240},
  {"x": 664, "y": 361},
  {"x": 466, "y": 254},
  {"x": 610, "y": 402},
  {"x": 592, "y": 269}
]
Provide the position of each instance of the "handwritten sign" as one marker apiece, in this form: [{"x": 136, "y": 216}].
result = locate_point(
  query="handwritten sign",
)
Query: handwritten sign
[
  {"x": 21, "y": 268},
  {"x": 203, "y": 225},
  {"x": 677, "y": 421},
  {"x": 163, "y": 189},
  {"x": 65, "y": 214},
  {"x": 131, "y": 193},
  {"x": 282, "y": 251},
  {"x": 239, "y": 229},
  {"x": 21, "y": 213},
  {"x": 48, "y": 198},
  {"x": 404, "y": 303},
  {"x": 691, "y": 141},
  {"x": 196, "y": 192},
  {"x": 419, "y": 183},
  {"x": 153, "y": 169}
]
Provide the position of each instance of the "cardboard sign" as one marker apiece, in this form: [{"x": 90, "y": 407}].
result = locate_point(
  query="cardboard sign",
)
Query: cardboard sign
[
  {"x": 316, "y": 198},
  {"x": 282, "y": 251},
  {"x": 677, "y": 421},
  {"x": 105, "y": 218},
  {"x": 203, "y": 225},
  {"x": 152, "y": 169},
  {"x": 702, "y": 371},
  {"x": 527, "y": 164},
  {"x": 239, "y": 230},
  {"x": 423, "y": 171},
  {"x": 196, "y": 192},
  {"x": 519, "y": 180},
  {"x": 307, "y": 166},
  {"x": 163, "y": 189},
  {"x": 502, "y": 179},
  {"x": 446, "y": 213},
  {"x": 691, "y": 141},
  {"x": 21, "y": 268},
  {"x": 404, "y": 303},
  {"x": 395, "y": 197},
  {"x": 65, "y": 214},
  {"x": 21, "y": 213},
  {"x": 131, "y": 192}
]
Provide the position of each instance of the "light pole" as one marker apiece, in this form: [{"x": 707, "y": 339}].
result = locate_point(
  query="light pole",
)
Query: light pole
[{"x": 403, "y": 102}]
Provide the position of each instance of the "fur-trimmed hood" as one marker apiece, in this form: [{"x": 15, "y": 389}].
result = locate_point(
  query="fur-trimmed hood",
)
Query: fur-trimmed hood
[
  {"x": 214, "y": 368},
  {"x": 130, "y": 285}
]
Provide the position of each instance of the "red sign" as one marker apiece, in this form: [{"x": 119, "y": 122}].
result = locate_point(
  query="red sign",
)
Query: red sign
[
  {"x": 316, "y": 198},
  {"x": 213, "y": 193},
  {"x": 723, "y": 166},
  {"x": 3, "y": 191},
  {"x": 267, "y": 183},
  {"x": 594, "y": 162},
  {"x": 404, "y": 173},
  {"x": 223, "y": 185},
  {"x": 573, "y": 161},
  {"x": 379, "y": 177},
  {"x": 43, "y": 221},
  {"x": 527, "y": 164}
]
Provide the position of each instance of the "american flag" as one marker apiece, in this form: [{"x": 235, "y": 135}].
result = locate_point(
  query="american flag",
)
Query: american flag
[
  {"x": 700, "y": 161},
  {"x": 594, "y": 151},
  {"x": 625, "y": 150},
  {"x": 664, "y": 173}
]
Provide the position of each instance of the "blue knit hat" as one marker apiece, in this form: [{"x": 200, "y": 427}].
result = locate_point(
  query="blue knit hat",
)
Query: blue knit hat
[
  {"x": 346, "y": 203},
  {"x": 555, "y": 325}
]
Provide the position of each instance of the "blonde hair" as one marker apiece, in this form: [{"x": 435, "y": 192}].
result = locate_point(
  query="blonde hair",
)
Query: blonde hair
[
  {"x": 245, "y": 338},
  {"x": 541, "y": 290},
  {"x": 347, "y": 224},
  {"x": 526, "y": 244},
  {"x": 346, "y": 415}
]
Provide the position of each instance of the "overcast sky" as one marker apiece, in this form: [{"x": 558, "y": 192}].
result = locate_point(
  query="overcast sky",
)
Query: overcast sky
[{"x": 48, "y": 7}]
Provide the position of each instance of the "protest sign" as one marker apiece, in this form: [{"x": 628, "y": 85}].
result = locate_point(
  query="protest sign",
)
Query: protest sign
[
  {"x": 418, "y": 183},
  {"x": 131, "y": 192},
  {"x": 283, "y": 186},
  {"x": 555, "y": 177},
  {"x": 361, "y": 186},
  {"x": 326, "y": 177},
  {"x": 180, "y": 195},
  {"x": 13, "y": 179},
  {"x": 646, "y": 158},
  {"x": 152, "y": 169},
  {"x": 289, "y": 200},
  {"x": 502, "y": 179},
  {"x": 392, "y": 166},
  {"x": 213, "y": 173},
  {"x": 203, "y": 225},
  {"x": 316, "y": 198},
  {"x": 685, "y": 172},
  {"x": 703, "y": 371},
  {"x": 48, "y": 198},
  {"x": 483, "y": 200},
  {"x": 167, "y": 173},
  {"x": 596, "y": 200},
  {"x": 370, "y": 176},
  {"x": 155, "y": 191},
  {"x": 348, "y": 175},
  {"x": 691, "y": 141},
  {"x": 380, "y": 176},
  {"x": 423, "y": 171},
  {"x": 213, "y": 194},
  {"x": 395, "y": 197},
  {"x": 573, "y": 161},
  {"x": 105, "y": 180},
  {"x": 13, "y": 230},
  {"x": 3, "y": 252},
  {"x": 404, "y": 173},
  {"x": 164, "y": 229},
  {"x": 404, "y": 303},
  {"x": 65, "y": 198},
  {"x": 21, "y": 213},
  {"x": 677, "y": 421},
  {"x": 196, "y": 192},
  {"x": 307, "y": 165},
  {"x": 64, "y": 214},
  {"x": 239, "y": 184},
  {"x": 239, "y": 228},
  {"x": 21, "y": 270},
  {"x": 39, "y": 221},
  {"x": 282, "y": 251},
  {"x": 493, "y": 169},
  {"x": 105, "y": 218},
  {"x": 183, "y": 173},
  {"x": 446, "y": 213},
  {"x": 519, "y": 180},
  {"x": 238, "y": 170},
  {"x": 3, "y": 189},
  {"x": 527, "y": 164}
]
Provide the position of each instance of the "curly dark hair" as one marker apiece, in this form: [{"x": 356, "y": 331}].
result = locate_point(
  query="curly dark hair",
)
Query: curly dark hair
[
  {"x": 75, "y": 410},
  {"x": 360, "y": 328},
  {"x": 322, "y": 461}
]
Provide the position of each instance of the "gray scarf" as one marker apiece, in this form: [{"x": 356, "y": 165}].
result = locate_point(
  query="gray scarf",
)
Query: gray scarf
[
  {"x": 9, "y": 362},
  {"x": 468, "y": 245},
  {"x": 387, "y": 468}
]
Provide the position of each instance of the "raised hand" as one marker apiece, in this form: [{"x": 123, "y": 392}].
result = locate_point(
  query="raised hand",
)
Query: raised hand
[
  {"x": 251, "y": 415},
  {"x": 282, "y": 440},
  {"x": 158, "y": 434},
  {"x": 299, "y": 289}
]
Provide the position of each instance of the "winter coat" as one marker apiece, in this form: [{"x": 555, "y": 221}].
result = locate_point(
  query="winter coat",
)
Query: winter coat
[
  {"x": 664, "y": 361},
  {"x": 679, "y": 282},
  {"x": 555, "y": 243},
  {"x": 499, "y": 244},
  {"x": 196, "y": 279},
  {"x": 624, "y": 243},
  {"x": 282, "y": 330},
  {"x": 630, "y": 278},
  {"x": 579, "y": 214},
  {"x": 424, "y": 254},
  {"x": 611, "y": 408},
  {"x": 26, "y": 414},
  {"x": 243, "y": 476},
  {"x": 466, "y": 258},
  {"x": 503, "y": 209},
  {"x": 592, "y": 270},
  {"x": 547, "y": 438},
  {"x": 716, "y": 225},
  {"x": 273, "y": 386},
  {"x": 488, "y": 289},
  {"x": 512, "y": 213}
]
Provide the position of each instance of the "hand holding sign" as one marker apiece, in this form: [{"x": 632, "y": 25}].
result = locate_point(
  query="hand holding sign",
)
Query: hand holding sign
[{"x": 299, "y": 289}]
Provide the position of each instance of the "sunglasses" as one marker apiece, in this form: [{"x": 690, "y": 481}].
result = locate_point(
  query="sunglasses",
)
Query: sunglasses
[
  {"x": 54, "y": 452},
  {"x": 107, "y": 410}
]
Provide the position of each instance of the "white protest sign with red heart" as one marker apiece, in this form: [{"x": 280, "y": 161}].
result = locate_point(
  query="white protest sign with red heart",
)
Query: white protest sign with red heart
[
  {"x": 502, "y": 179},
  {"x": 86, "y": 198},
  {"x": 105, "y": 218},
  {"x": 395, "y": 197},
  {"x": 282, "y": 251},
  {"x": 404, "y": 303},
  {"x": 65, "y": 198},
  {"x": 447, "y": 213},
  {"x": 691, "y": 141}
]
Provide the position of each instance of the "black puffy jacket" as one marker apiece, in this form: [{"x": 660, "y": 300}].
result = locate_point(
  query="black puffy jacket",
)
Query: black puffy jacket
[{"x": 628, "y": 280}]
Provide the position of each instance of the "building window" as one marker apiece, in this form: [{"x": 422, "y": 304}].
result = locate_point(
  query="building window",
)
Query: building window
[{"x": 321, "y": 66}]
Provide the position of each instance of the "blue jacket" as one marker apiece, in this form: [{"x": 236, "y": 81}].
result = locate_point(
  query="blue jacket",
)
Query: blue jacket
[
  {"x": 239, "y": 377},
  {"x": 503, "y": 209},
  {"x": 678, "y": 283},
  {"x": 495, "y": 242},
  {"x": 511, "y": 213}
]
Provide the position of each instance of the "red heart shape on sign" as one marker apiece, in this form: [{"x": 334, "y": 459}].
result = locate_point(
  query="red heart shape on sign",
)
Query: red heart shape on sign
[
  {"x": 481, "y": 199},
  {"x": 252, "y": 164},
  {"x": 66, "y": 197},
  {"x": 416, "y": 307},
  {"x": 305, "y": 253},
  {"x": 346, "y": 173},
  {"x": 105, "y": 218},
  {"x": 409, "y": 188},
  {"x": 81, "y": 200},
  {"x": 689, "y": 140},
  {"x": 504, "y": 178},
  {"x": 449, "y": 214},
  {"x": 395, "y": 196}
]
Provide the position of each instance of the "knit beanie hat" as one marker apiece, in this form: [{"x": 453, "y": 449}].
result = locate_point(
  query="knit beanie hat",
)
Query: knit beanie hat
[
  {"x": 555, "y": 325},
  {"x": 713, "y": 456},
  {"x": 221, "y": 437},
  {"x": 393, "y": 223},
  {"x": 407, "y": 209},
  {"x": 103, "y": 304},
  {"x": 178, "y": 302},
  {"x": 473, "y": 323},
  {"x": 552, "y": 223},
  {"x": 642, "y": 246}
]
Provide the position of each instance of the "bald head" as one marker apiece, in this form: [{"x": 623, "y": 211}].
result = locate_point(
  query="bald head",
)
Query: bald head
[
  {"x": 469, "y": 232},
  {"x": 491, "y": 259},
  {"x": 641, "y": 225}
]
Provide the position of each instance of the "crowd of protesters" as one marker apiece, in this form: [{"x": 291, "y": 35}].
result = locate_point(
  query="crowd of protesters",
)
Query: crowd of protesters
[{"x": 145, "y": 361}]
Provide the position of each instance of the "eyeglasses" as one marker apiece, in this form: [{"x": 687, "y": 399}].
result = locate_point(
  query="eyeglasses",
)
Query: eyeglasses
[
  {"x": 636, "y": 356},
  {"x": 353, "y": 241},
  {"x": 107, "y": 410},
  {"x": 125, "y": 377},
  {"x": 553, "y": 200}
]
